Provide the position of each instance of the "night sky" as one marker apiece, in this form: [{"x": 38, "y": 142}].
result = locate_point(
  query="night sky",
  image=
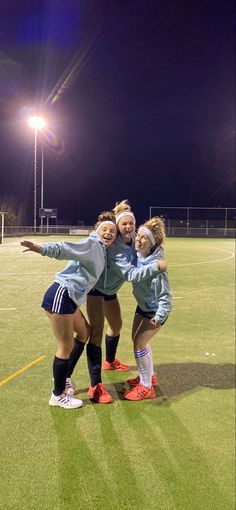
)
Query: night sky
[{"x": 140, "y": 93}]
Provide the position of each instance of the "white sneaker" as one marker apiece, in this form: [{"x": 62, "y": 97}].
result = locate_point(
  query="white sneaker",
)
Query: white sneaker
[
  {"x": 65, "y": 401},
  {"x": 70, "y": 388}
]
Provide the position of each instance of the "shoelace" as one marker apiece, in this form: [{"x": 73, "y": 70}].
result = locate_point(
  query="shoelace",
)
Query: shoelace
[{"x": 116, "y": 363}]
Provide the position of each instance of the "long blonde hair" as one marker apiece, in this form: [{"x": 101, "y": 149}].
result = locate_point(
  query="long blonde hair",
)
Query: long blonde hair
[{"x": 157, "y": 227}]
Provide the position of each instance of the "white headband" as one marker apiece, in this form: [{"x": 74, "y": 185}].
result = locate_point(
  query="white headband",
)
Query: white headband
[
  {"x": 124, "y": 213},
  {"x": 148, "y": 233},
  {"x": 102, "y": 223}
]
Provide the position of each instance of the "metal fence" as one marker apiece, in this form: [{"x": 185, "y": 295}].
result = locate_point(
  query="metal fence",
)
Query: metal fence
[
  {"x": 197, "y": 221},
  {"x": 179, "y": 221},
  {"x": 20, "y": 231}
]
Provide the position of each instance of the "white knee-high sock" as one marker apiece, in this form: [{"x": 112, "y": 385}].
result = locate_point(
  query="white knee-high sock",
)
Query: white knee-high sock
[
  {"x": 150, "y": 352},
  {"x": 145, "y": 366}
]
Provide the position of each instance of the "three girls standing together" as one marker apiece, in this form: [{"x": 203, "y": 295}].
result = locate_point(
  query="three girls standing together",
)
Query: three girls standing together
[{"x": 98, "y": 266}]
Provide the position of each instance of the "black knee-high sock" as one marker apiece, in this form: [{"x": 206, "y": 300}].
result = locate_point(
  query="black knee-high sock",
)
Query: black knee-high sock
[
  {"x": 75, "y": 355},
  {"x": 111, "y": 347},
  {"x": 94, "y": 360},
  {"x": 60, "y": 367}
]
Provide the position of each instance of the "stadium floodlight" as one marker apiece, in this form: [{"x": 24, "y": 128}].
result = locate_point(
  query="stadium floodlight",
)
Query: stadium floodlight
[{"x": 36, "y": 123}]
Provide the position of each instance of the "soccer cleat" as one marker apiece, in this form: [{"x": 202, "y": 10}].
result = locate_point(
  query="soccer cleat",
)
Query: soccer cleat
[
  {"x": 99, "y": 394},
  {"x": 65, "y": 401},
  {"x": 136, "y": 380},
  {"x": 70, "y": 388},
  {"x": 115, "y": 365},
  {"x": 139, "y": 392}
]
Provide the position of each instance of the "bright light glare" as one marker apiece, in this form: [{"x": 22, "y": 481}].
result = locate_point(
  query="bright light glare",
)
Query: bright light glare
[{"x": 37, "y": 122}]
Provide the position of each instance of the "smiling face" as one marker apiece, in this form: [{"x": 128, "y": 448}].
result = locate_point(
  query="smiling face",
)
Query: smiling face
[
  {"x": 143, "y": 244},
  {"x": 126, "y": 226},
  {"x": 107, "y": 233}
]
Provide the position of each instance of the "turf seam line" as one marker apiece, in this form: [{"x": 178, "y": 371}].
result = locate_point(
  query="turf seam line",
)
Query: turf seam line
[{"x": 21, "y": 370}]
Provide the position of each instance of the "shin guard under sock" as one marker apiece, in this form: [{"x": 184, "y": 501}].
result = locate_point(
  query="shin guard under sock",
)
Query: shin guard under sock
[
  {"x": 75, "y": 355},
  {"x": 60, "y": 367},
  {"x": 111, "y": 347},
  {"x": 144, "y": 365},
  {"x": 94, "y": 360}
]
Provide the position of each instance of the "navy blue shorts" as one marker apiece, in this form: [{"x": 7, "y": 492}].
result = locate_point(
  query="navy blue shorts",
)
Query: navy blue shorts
[
  {"x": 56, "y": 299},
  {"x": 148, "y": 315},
  {"x": 95, "y": 292}
]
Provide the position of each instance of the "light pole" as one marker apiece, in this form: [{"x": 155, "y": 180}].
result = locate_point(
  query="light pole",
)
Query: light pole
[
  {"x": 36, "y": 123},
  {"x": 42, "y": 178}
]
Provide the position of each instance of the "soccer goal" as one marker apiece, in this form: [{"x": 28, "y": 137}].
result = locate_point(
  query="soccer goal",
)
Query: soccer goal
[{"x": 2, "y": 227}]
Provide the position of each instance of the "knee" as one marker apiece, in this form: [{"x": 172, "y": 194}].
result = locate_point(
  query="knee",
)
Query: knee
[
  {"x": 115, "y": 327},
  {"x": 96, "y": 332},
  {"x": 64, "y": 351}
]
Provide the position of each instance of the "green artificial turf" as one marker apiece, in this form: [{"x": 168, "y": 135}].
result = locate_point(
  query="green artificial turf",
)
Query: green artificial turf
[{"x": 173, "y": 453}]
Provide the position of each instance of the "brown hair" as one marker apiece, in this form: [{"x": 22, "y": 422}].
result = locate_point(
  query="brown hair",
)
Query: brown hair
[{"x": 105, "y": 216}]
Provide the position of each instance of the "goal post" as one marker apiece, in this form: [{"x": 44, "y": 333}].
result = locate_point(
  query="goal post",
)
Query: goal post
[{"x": 2, "y": 227}]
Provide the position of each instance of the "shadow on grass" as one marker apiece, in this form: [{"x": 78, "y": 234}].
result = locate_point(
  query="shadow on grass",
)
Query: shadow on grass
[
  {"x": 176, "y": 379},
  {"x": 179, "y": 378}
]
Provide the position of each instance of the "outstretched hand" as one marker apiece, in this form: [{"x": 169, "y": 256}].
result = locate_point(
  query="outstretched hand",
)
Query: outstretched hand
[{"x": 32, "y": 246}]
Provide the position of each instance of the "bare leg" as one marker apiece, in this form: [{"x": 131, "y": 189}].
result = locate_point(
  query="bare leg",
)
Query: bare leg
[
  {"x": 113, "y": 316},
  {"x": 62, "y": 327},
  {"x": 81, "y": 326},
  {"x": 95, "y": 311}
]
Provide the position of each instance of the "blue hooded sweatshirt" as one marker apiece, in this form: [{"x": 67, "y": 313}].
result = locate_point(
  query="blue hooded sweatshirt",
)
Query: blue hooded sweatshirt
[
  {"x": 87, "y": 260},
  {"x": 121, "y": 267},
  {"x": 153, "y": 294}
]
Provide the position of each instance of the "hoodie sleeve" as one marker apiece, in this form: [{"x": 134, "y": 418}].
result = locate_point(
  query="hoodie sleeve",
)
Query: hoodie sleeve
[
  {"x": 164, "y": 296},
  {"x": 129, "y": 272},
  {"x": 81, "y": 251}
]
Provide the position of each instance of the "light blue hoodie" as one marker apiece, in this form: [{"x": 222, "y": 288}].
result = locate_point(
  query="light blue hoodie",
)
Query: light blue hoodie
[
  {"x": 154, "y": 294},
  {"x": 87, "y": 260},
  {"x": 121, "y": 267}
]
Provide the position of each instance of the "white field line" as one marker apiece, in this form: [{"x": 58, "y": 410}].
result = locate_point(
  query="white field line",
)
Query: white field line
[
  {"x": 206, "y": 261},
  {"x": 192, "y": 292},
  {"x": 171, "y": 265},
  {"x": 6, "y": 309},
  {"x": 26, "y": 274}
]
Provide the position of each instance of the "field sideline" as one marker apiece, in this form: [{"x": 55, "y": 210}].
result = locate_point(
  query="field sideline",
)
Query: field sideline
[{"x": 174, "y": 453}]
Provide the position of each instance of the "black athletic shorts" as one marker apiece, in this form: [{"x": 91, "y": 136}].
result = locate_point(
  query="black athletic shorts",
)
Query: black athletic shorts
[
  {"x": 107, "y": 297},
  {"x": 148, "y": 315}
]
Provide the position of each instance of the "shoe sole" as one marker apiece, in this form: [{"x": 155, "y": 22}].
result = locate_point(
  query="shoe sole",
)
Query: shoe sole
[
  {"x": 99, "y": 401},
  {"x": 117, "y": 369},
  {"x": 55, "y": 404},
  {"x": 138, "y": 399}
]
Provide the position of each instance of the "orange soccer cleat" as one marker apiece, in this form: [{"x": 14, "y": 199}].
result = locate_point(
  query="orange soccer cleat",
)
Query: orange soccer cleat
[
  {"x": 115, "y": 365},
  {"x": 99, "y": 394},
  {"x": 136, "y": 380},
  {"x": 139, "y": 392}
]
